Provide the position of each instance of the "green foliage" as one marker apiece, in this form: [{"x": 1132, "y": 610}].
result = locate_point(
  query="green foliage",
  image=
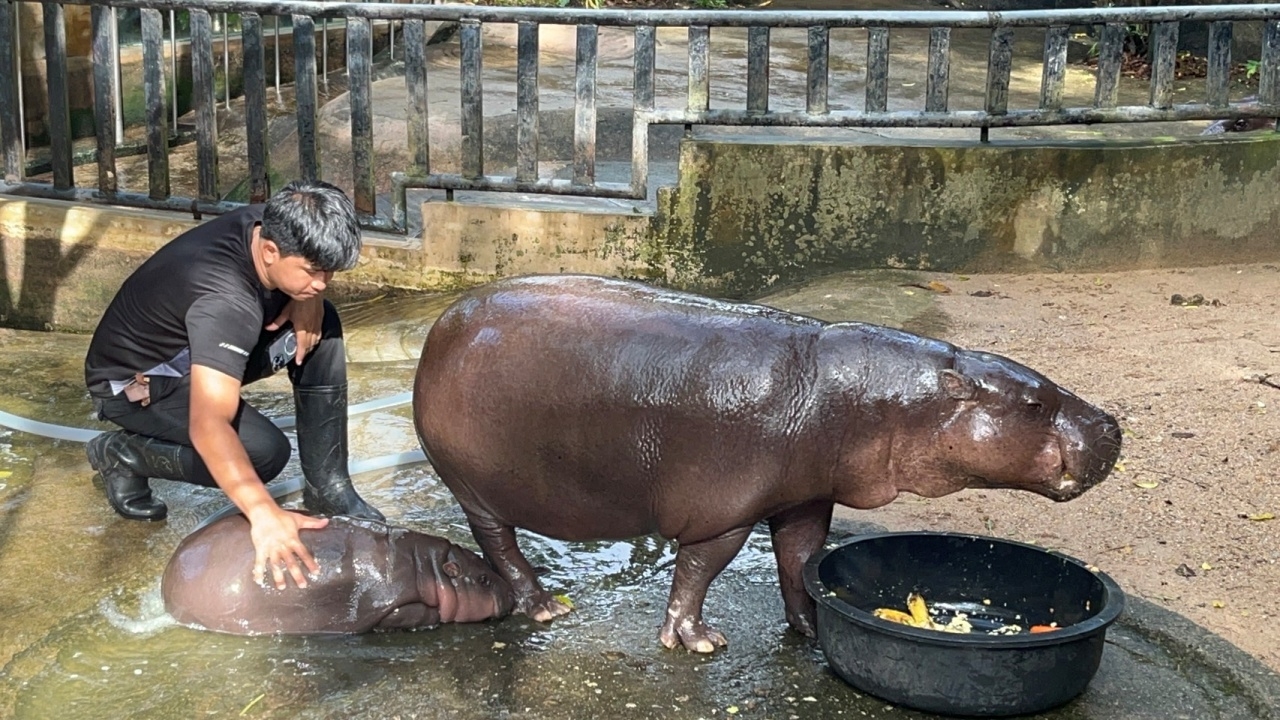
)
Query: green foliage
[
  {"x": 711, "y": 4},
  {"x": 1137, "y": 41}
]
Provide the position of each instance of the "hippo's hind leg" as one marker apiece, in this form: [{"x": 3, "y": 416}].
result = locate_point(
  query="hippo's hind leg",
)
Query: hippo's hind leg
[
  {"x": 798, "y": 533},
  {"x": 498, "y": 542},
  {"x": 697, "y": 564}
]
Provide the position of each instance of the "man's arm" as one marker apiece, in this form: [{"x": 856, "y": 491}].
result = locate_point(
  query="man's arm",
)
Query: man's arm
[
  {"x": 215, "y": 398},
  {"x": 307, "y": 317}
]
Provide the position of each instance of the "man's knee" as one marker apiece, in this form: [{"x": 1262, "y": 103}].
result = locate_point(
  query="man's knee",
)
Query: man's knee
[
  {"x": 331, "y": 325},
  {"x": 269, "y": 451}
]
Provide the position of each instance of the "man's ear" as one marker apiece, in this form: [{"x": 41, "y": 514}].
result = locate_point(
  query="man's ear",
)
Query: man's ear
[
  {"x": 270, "y": 251},
  {"x": 956, "y": 385}
]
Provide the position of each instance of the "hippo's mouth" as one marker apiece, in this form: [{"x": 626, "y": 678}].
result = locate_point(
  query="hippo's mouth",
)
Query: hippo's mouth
[
  {"x": 1068, "y": 487},
  {"x": 1059, "y": 486}
]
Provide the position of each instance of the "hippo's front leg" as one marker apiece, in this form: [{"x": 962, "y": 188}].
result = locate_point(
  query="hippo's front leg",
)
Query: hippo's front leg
[
  {"x": 697, "y": 564},
  {"x": 498, "y": 542},
  {"x": 798, "y": 533}
]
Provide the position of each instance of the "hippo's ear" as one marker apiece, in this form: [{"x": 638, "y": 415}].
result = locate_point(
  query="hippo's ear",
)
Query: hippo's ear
[
  {"x": 451, "y": 569},
  {"x": 956, "y": 385}
]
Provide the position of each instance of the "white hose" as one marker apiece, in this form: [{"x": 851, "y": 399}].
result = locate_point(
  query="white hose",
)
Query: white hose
[
  {"x": 277, "y": 490},
  {"x": 43, "y": 429},
  {"x": 364, "y": 407},
  {"x": 291, "y": 485},
  {"x": 62, "y": 432}
]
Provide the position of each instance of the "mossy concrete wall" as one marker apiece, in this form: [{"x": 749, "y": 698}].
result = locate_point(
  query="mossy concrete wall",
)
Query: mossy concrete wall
[
  {"x": 476, "y": 243},
  {"x": 61, "y": 263},
  {"x": 746, "y": 216}
]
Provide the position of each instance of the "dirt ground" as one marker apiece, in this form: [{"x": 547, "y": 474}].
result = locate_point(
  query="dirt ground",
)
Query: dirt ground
[{"x": 1186, "y": 519}]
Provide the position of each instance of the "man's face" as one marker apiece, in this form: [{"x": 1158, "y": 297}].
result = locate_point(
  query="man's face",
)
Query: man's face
[{"x": 294, "y": 275}]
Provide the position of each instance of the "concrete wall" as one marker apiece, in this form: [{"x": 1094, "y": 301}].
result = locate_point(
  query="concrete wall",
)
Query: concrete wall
[{"x": 746, "y": 216}]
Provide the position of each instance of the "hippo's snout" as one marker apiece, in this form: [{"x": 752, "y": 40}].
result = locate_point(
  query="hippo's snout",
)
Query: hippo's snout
[
  {"x": 1090, "y": 448},
  {"x": 1238, "y": 125},
  {"x": 479, "y": 592}
]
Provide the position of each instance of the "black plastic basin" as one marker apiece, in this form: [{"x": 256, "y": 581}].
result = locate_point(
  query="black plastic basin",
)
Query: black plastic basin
[{"x": 961, "y": 674}]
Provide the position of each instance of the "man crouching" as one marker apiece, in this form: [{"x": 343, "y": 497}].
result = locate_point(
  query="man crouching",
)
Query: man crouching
[{"x": 225, "y": 304}]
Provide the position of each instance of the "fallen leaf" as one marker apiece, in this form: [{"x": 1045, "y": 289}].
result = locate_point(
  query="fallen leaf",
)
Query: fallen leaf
[
  {"x": 938, "y": 287},
  {"x": 5, "y": 473},
  {"x": 1206, "y": 566},
  {"x": 564, "y": 599},
  {"x": 1147, "y": 484},
  {"x": 1257, "y": 517},
  {"x": 1219, "y": 604},
  {"x": 909, "y": 292},
  {"x": 962, "y": 277},
  {"x": 498, "y": 644},
  {"x": 732, "y": 709},
  {"x": 252, "y": 703},
  {"x": 1119, "y": 467}
]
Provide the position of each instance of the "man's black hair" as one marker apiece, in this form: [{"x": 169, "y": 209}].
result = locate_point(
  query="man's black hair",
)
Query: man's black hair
[{"x": 316, "y": 220}]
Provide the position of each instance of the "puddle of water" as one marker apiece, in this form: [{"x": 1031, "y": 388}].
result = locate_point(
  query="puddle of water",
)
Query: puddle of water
[{"x": 391, "y": 329}]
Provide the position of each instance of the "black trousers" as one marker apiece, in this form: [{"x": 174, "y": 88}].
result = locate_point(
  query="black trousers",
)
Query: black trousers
[{"x": 167, "y": 417}]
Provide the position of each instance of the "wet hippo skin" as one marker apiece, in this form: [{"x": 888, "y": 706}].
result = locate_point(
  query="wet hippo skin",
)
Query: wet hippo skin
[
  {"x": 372, "y": 576},
  {"x": 586, "y": 408}
]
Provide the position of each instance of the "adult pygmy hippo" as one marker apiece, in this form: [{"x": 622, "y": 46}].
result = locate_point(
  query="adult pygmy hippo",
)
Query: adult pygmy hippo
[
  {"x": 1245, "y": 124},
  {"x": 372, "y": 576},
  {"x": 585, "y": 408}
]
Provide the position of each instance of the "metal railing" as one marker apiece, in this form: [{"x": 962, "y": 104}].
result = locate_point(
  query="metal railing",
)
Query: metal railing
[{"x": 1164, "y": 24}]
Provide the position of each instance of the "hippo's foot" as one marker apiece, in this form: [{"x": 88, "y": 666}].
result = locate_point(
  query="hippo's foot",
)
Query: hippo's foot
[
  {"x": 542, "y": 606},
  {"x": 693, "y": 633},
  {"x": 802, "y": 622}
]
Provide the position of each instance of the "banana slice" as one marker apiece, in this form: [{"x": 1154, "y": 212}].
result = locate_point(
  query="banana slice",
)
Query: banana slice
[
  {"x": 919, "y": 611},
  {"x": 894, "y": 616}
]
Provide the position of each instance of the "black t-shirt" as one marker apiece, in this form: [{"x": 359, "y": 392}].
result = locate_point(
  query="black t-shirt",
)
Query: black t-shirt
[{"x": 197, "y": 300}]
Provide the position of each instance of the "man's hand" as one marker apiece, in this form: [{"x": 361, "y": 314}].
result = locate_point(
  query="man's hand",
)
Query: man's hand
[
  {"x": 276, "y": 545},
  {"x": 307, "y": 317},
  {"x": 215, "y": 398}
]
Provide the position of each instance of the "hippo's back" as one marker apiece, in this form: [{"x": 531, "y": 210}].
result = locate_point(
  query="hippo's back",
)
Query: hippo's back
[
  {"x": 584, "y": 407},
  {"x": 209, "y": 582}
]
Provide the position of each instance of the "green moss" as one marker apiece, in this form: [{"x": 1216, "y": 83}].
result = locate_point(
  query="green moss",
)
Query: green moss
[{"x": 754, "y": 216}]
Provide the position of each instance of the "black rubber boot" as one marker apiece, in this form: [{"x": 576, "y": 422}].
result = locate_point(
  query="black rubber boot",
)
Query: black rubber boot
[
  {"x": 322, "y": 452},
  {"x": 126, "y": 461}
]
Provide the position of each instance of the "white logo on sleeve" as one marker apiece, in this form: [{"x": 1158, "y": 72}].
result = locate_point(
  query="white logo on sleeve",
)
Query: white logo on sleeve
[{"x": 233, "y": 348}]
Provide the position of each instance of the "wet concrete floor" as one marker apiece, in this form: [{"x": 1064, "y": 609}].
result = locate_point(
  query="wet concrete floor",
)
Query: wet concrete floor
[{"x": 83, "y": 635}]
